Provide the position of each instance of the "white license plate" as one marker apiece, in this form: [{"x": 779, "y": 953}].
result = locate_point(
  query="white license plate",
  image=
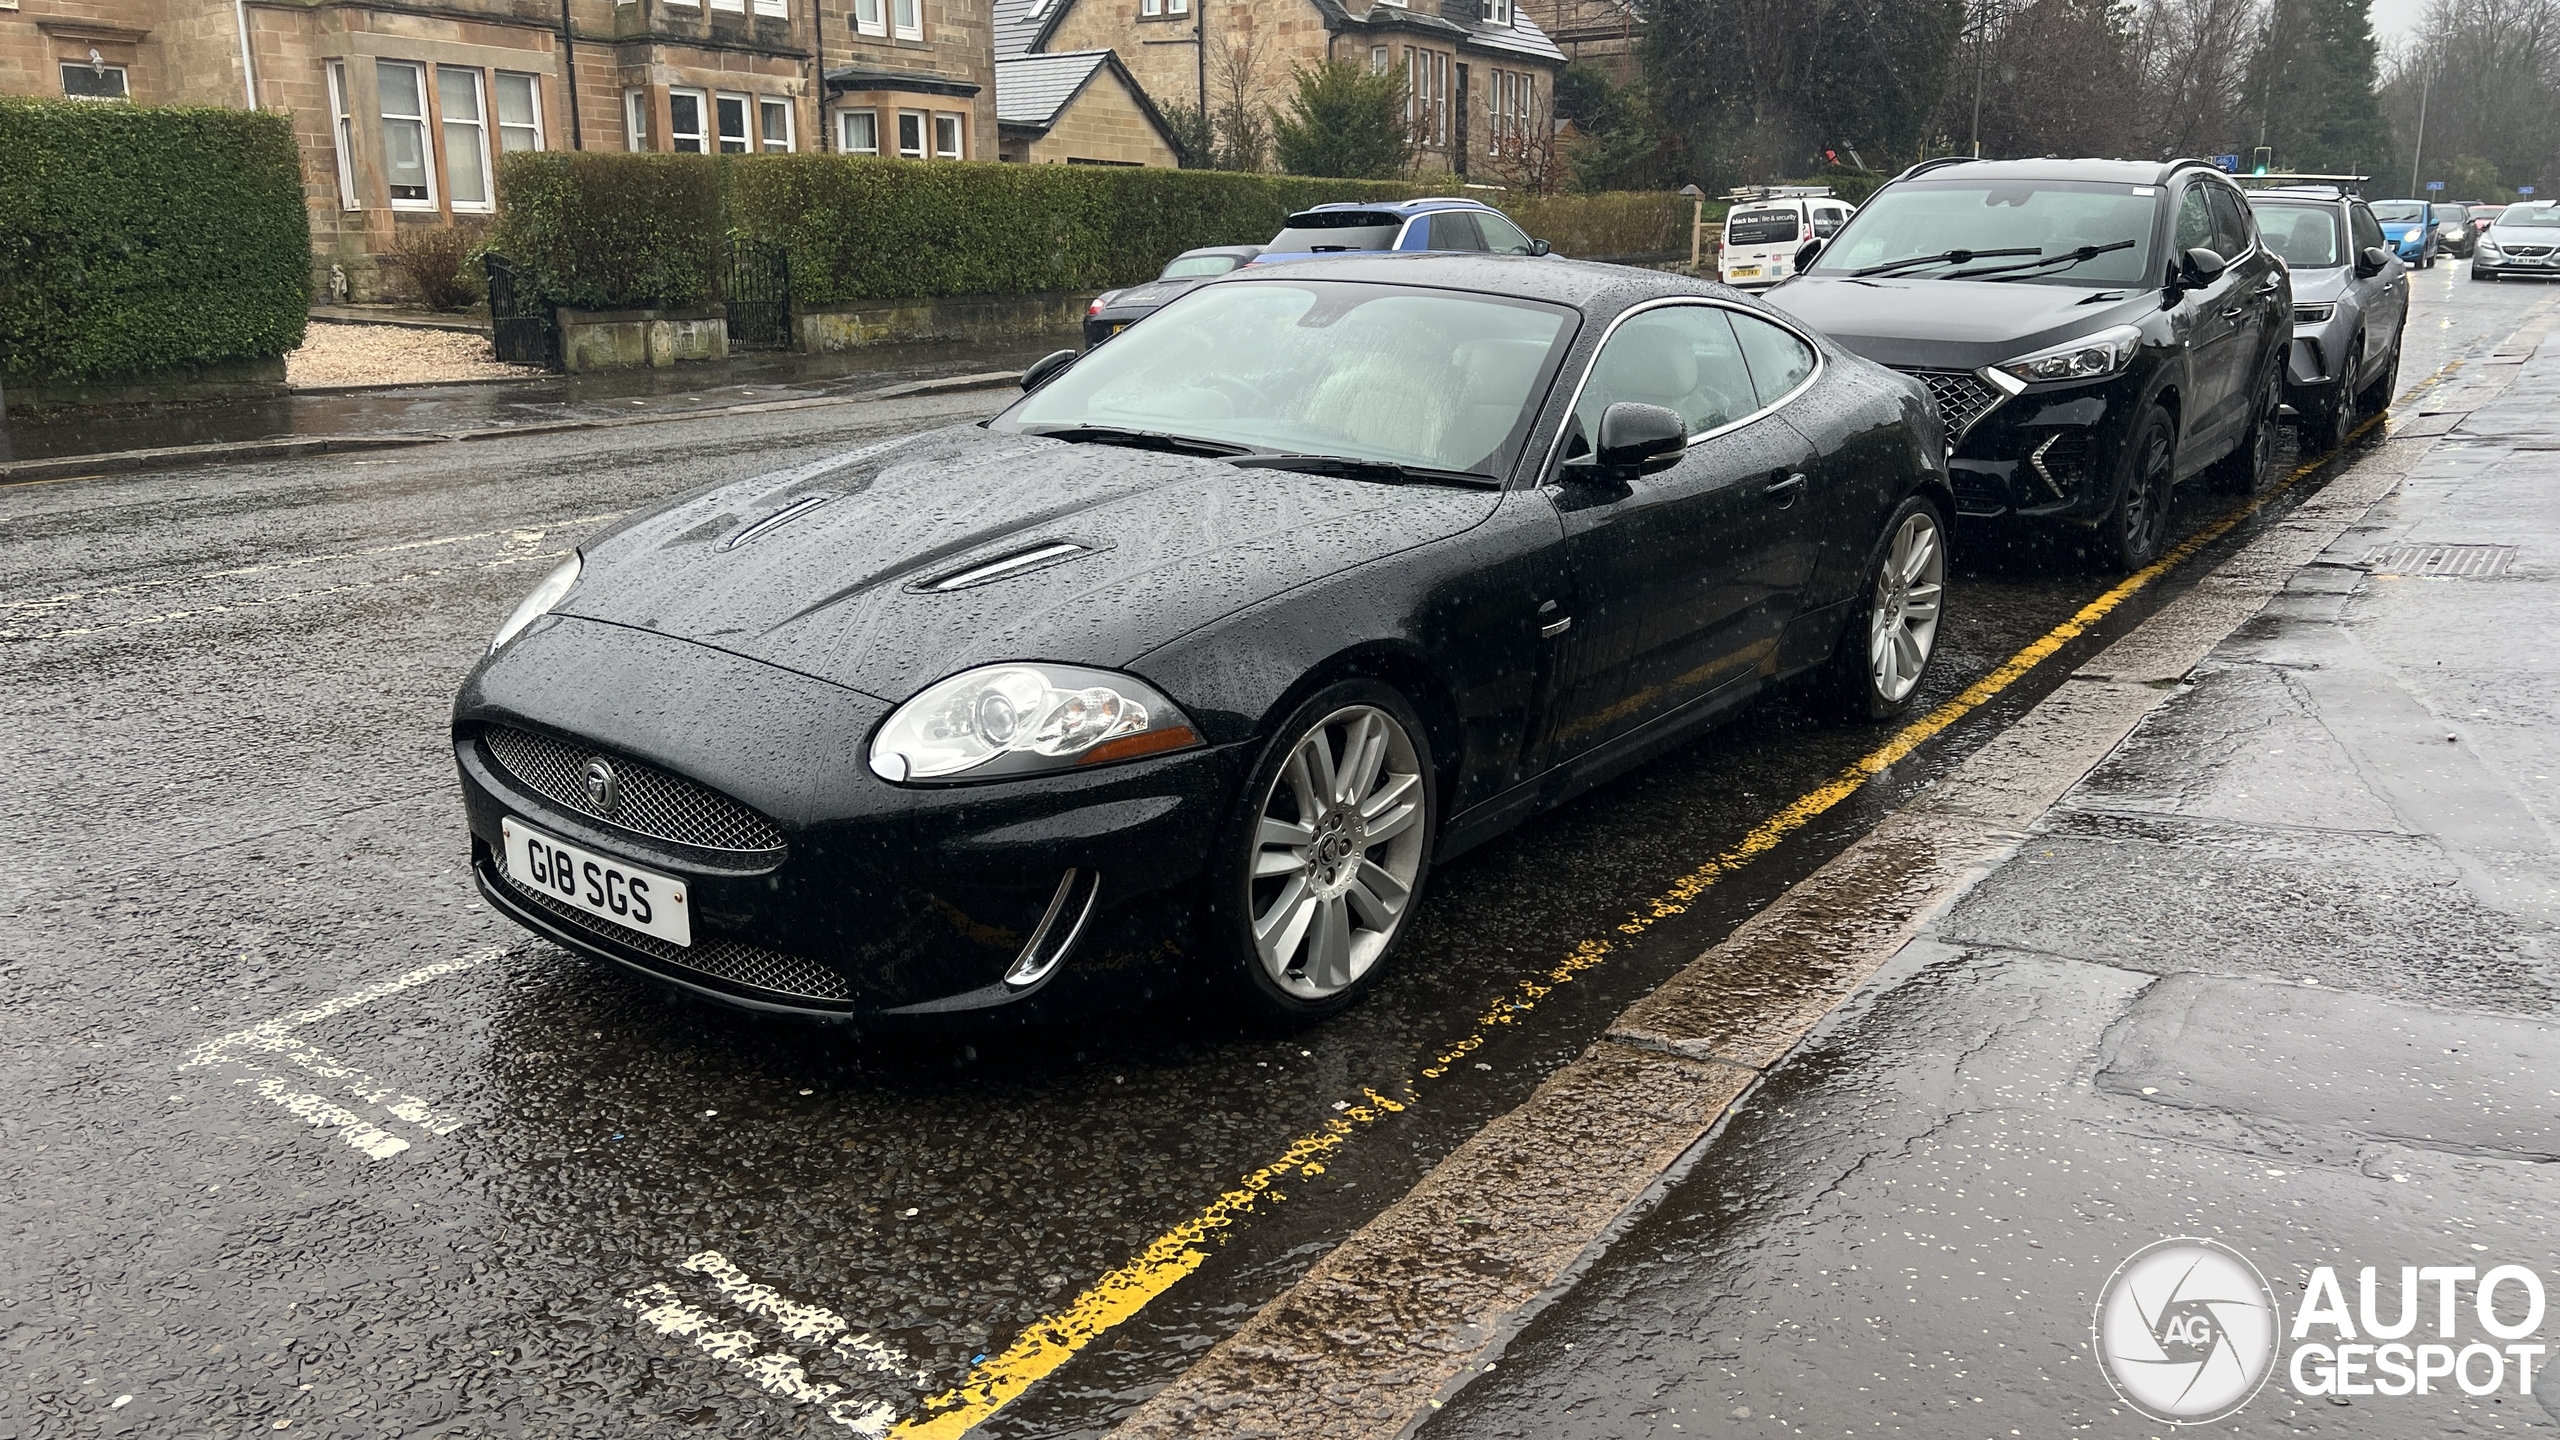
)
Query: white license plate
[{"x": 604, "y": 887}]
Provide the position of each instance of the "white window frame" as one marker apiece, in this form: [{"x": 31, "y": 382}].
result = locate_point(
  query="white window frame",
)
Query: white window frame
[
  {"x": 850, "y": 144},
  {"x": 871, "y": 17},
  {"x": 703, "y": 136},
  {"x": 735, "y": 7},
  {"x": 908, "y": 16},
  {"x": 1177, "y": 7},
  {"x": 956, "y": 126},
  {"x": 635, "y": 119},
  {"x": 342, "y": 134},
  {"x": 124, "y": 80},
  {"x": 767, "y": 105},
  {"x": 1377, "y": 59},
  {"x": 1413, "y": 92},
  {"x": 427, "y": 141},
  {"x": 745, "y": 139},
  {"x": 1496, "y": 12},
  {"x": 924, "y": 128},
  {"x": 478, "y": 138},
  {"x": 1149, "y": 9},
  {"x": 774, "y": 9},
  {"x": 533, "y": 97}
]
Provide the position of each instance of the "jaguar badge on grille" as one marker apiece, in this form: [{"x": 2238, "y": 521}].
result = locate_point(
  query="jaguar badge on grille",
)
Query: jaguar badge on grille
[{"x": 604, "y": 787}]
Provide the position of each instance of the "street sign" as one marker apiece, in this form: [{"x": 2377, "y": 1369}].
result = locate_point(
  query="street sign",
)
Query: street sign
[
  {"x": 2229, "y": 164},
  {"x": 2524, "y": 189},
  {"x": 2435, "y": 184}
]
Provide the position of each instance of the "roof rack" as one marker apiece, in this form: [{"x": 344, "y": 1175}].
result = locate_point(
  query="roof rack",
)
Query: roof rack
[
  {"x": 2342, "y": 184},
  {"x": 1749, "y": 194}
]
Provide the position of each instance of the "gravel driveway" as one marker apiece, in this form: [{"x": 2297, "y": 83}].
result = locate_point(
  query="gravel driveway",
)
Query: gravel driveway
[{"x": 333, "y": 354}]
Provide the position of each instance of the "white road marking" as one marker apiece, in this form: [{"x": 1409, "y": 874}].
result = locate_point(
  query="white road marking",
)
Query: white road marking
[
  {"x": 662, "y": 1310},
  {"x": 275, "y": 1037},
  {"x": 809, "y": 1324}
]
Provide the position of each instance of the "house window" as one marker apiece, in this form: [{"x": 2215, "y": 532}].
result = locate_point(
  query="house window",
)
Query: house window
[
  {"x": 869, "y": 18},
  {"x": 1150, "y": 7},
  {"x": 519, "y": 111},
  {"x": 736, "y": 7},
  {"x": 774, "y": 9},
  {"x": 90, "y": 81},
  {"x": 1377, "y": 59},
  {"x": 466, "y": 137},
  {"x": 732, "y": 112},
  {"x": 946, "y": 137},
  {"x": 911, "y": 134},
  {"x": 1413, "y": 92},
  {"x": 405, "y": 170},
  {"x": 858, "y": 132},
  {"x": 1524, "y": 107},
  {"x": 635, "y": 119},
  {"x": 684, "y": 121},
  {"x": 910, "y": 15},
  {"x": 1496, "y": 12},
  {"x": 1177, "y": 7},
  {"x": 774, "y": 122},
  {"x": 342, "y": 134}
]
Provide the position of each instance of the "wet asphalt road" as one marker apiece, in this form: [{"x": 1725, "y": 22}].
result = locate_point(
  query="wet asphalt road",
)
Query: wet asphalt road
[{"x": 234, "y": 807}]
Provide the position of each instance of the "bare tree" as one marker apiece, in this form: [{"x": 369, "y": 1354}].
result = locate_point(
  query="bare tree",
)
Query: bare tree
[
  {"x": 2489, "y": 74},
  {"x": 2191, "y": 57},
  {"x": 1529, "y": 152}
]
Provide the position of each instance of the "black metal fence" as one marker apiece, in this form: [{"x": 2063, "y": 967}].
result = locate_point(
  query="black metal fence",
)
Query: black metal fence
[
  {"x": 524, "y": 328},
  {"x": 755, "y": 285}
]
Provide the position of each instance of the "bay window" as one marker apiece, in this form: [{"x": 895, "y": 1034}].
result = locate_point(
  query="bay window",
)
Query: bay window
[
  {"x": 858, "y": 132},
  {"x": 405, "y": 168},
  {"x": 342, "y": 135},
  {"x": 519, "y": 111},
  {"x": 774, "y": 120},
  {"x": 466, "y": 137},
  {"x": 911, "y": 134},
  {"x": 685, "y": 116},
  {"x": 731, "y": 111}
]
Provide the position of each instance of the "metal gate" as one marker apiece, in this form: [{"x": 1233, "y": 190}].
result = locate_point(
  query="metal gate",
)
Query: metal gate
[
  {"x": 755, "y": 285},
  {"x": 523, "y": 328}
]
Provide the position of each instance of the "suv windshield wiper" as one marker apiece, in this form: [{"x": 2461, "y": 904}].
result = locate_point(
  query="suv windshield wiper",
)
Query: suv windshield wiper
[
  {"x": 2074, "y": 257},
  {"x": 1947, "y": 257},
  {"x": 1353, "y": 468},
  {"x": 1138, "y": 439}
]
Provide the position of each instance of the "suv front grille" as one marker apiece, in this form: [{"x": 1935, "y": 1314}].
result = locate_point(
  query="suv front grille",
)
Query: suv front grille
[
  {"x": 1963, "y": 397},
  {"x": 752, "y": 966},
  {"x": 650, "y": 801}
]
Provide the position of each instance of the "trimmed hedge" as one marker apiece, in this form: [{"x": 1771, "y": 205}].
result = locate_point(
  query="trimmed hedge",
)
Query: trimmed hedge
[
  {"x": 607, "y": 230},
  {"x": 1617, "y": 222},
  {"x": 135, "y": 239}
]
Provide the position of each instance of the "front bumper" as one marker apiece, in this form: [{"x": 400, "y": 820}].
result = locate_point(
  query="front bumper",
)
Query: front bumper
[
  {"x": 881, "y": 903},
  {"x": 2046, "y": 453},
  {"x": 2316, "y": 352}
]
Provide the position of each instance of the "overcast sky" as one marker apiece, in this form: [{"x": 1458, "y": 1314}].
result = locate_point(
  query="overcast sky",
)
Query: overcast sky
[{"x": 2394, "y": 19}]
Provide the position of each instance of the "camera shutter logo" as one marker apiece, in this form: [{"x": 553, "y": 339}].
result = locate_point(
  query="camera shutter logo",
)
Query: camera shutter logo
[
  {"x": 604, "y": 786},
  {"x": 2186, "y": 1331}
]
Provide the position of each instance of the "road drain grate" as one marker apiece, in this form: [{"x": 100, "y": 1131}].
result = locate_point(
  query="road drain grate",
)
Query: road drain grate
[{"x": 2461, "y": 562}]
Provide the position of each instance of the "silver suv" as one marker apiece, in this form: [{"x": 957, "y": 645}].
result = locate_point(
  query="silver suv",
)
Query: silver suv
[{"x": 2350, "y": 298}]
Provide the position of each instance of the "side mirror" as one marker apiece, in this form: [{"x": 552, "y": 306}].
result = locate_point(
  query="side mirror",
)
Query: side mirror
[
  {"x": 1046, "y": 368},
  {"x": 2201, "y": 267},
  {"x": 2372, "y": 260},
  {"x": 1644, "y": 438},
  {"x": 1541, "y": 247},
  {"x": 1806, "y": 253}
]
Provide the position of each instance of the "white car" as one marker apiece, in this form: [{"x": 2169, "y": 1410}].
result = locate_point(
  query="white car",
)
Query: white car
[{"x": 1763, "y": 234}]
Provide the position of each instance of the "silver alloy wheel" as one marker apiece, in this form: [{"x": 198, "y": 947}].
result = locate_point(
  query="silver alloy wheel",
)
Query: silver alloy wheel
[
  {"x": 1337, "y": 852},
  {"x": 1909, "y": 583}
]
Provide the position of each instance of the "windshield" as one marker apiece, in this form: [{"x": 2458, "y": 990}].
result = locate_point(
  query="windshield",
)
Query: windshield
[
  {"x": 2538, "y": 218},
  {"x": 2306, "y": 237},
  {"x": 2398, "y": 212},
  {"x": 1374, "y": 372},
  {"x": 1919, "y": 219},
  {"x": 2452, "y": 215},
  {"x": 1337, "y": 230},
  {"x": 1184, "y": 267},
  {"x": 1760, "y": 227}
]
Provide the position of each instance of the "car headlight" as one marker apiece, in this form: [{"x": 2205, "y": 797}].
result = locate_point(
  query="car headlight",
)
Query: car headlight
[
  {"x": 2314, "y": 314},
  {"x": 2087, "y": 358},
  {"x": 2488, "y": 247},
  {"x": 1020, "y": 719},
  {"x": 554, "y": 586}
]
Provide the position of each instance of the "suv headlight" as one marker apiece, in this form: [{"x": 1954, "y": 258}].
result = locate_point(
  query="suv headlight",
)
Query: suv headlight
[
  {"x": 2314, "y": 314},
  {"x": 1021, "y": 719},
  {"x": 2087, "y": 358},
  {"x": 554, "y": 587},
  {"x": 2488, "y": 247}
]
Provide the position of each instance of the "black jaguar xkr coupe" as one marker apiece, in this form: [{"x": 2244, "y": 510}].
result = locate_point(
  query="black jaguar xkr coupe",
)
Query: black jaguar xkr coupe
[{"x": 1191, "y": 663}]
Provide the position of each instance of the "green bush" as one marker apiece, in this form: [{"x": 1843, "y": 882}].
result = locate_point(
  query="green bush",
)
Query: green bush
[
  {"x": 607, "y": 230},
  {"x": 136, "y": 239}
]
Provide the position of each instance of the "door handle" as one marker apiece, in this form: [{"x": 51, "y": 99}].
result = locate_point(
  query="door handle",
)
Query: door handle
[
  {"x": 2235, "y": 312},
  {"x": 1783, "y": 490}
]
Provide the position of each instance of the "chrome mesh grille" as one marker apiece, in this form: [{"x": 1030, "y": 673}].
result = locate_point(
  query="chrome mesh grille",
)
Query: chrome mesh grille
[
  {"x": 651, "y": 801},
  {"x": 740, "y": 964},
  {"x": 1963, "y": 397}
]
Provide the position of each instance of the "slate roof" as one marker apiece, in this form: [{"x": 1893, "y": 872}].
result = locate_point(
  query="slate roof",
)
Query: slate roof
[{"x": 1032, "y": 89}]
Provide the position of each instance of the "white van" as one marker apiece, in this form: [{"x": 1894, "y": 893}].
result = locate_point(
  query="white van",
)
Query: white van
[{"x": 1765, "y": 227}]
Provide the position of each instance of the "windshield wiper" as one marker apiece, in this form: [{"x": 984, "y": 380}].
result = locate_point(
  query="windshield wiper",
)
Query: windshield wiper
[
  {"x": 1949, "y": 257},
  {"x": 1138, "y": 439},
  {"x": 1353, "y": 468},
  {"x": 2085, "y": 252}
]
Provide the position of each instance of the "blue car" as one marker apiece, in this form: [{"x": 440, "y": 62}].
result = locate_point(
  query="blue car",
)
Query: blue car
[
  {"x": 2409, "y": 228},
  {"x": 1441, "y": 224}
]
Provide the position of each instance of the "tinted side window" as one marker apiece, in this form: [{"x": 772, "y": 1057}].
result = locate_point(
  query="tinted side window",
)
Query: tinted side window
[
  {"x": 1779, "y": 361},
  {"x": 2195, "y": 223},
  {"x": 1682, "y": 357},
  {"x": 2232, "y": 236},
  {"x": 1455, "y": 230},
  {"x": 2368, "y": 230},
  {"x": 1501, "y": 236}
]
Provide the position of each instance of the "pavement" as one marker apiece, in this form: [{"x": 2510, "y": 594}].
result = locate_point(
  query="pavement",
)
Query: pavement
[
  {"x": 296, "y": 1131},
  {"x": 2279, "y": 972}
]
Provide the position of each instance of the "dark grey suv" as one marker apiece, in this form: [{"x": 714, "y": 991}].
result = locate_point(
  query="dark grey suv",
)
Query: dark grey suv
[{"x": 2095, "y": 331}]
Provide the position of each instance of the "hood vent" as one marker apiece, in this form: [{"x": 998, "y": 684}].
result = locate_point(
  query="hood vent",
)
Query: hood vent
[
  {"x": 1004, "y": 567},
  {"x": 776, "y": 520}
]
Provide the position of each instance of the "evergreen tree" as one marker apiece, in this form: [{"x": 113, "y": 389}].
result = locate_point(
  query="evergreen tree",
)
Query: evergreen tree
[
  {"x": 2314, "y": 82},
  {"x": 1344, "y": 123}
]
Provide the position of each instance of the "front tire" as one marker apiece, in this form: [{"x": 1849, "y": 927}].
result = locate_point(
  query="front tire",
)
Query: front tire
[
  {"x": 1325, "y": 858},
  {"x": 2137, "y": 529},
  {"x": 1891, "y": 635},
  {"x": 2376, "y": 397},
  {"x": 2251, "y": 466},
  {"x": 2328, "y": 421}
]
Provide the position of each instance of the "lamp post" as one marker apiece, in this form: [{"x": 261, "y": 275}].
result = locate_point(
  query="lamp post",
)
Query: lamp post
[{"x": 1697, "y": 220}]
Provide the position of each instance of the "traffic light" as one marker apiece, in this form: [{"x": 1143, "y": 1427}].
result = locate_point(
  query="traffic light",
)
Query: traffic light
[{"x": 2263, "y": 160}]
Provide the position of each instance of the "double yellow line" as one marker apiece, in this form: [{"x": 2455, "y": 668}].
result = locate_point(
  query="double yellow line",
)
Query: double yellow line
[{"x": 1050, "y": 1342}]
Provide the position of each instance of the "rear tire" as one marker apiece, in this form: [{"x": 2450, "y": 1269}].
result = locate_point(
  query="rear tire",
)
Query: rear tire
[
  {"x": 2137, "y": 529},
  {"x": 1325, "y": 856},
  {"x": 1891, "y": 635}
]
